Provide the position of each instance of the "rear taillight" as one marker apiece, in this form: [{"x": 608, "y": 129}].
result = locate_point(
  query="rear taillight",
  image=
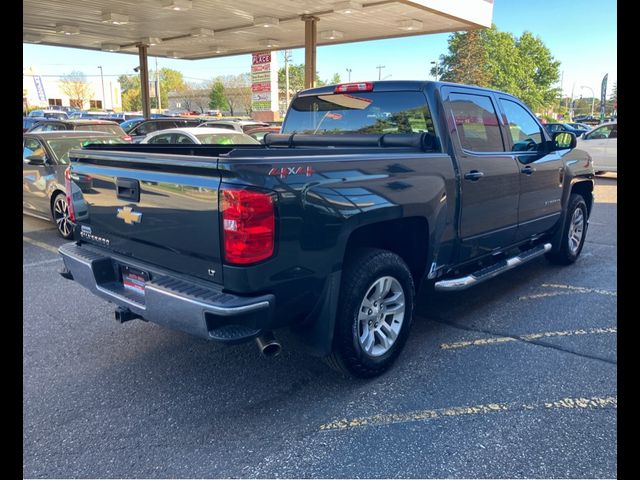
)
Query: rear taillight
[
  {"x": 354, "y": 87},
  {"x": 248, "y": 225},
  {"x": 128, "y": 138},
  {"x": 67, "y": 187}
]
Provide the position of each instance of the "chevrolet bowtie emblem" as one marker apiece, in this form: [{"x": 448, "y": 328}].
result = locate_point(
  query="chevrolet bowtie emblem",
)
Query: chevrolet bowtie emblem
[{"x": 129, "y": 216}]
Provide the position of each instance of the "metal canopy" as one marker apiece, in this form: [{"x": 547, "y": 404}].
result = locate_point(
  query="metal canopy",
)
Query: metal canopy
[{"x": 217, "y": 28}]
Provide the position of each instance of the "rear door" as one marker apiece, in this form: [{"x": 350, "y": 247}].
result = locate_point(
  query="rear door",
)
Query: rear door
[
  {"x": 490, "y": 183},
  {"x": 541, "y": 174}
]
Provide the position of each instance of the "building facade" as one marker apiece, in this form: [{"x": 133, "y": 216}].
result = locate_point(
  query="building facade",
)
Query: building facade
[{"x": 47, "y": 91}]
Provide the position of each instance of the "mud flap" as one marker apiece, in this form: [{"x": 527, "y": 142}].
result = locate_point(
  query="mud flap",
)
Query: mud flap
[{"x": 316, "y": 336}]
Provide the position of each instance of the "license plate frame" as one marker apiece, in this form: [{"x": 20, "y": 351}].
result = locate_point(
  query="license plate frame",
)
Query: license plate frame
[{"x": 133, "y": 279}]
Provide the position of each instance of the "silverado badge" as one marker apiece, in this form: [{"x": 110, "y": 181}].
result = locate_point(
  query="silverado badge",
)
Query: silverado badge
[{"x": 129, "y": 216}]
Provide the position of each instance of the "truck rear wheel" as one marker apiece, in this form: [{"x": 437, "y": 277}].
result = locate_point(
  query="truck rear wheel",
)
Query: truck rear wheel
[
  {"x": 374, "y": 313},
  {"x": 574, "y": 232}
]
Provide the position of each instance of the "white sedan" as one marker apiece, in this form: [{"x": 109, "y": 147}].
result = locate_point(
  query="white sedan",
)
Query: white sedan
[
  {"x": 602, "y": 144},
  {"x": 199, "y": 136}
]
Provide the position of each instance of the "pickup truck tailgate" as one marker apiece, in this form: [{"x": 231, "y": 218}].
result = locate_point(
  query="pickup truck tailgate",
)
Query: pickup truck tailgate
[{"x": 151, "y": 208}]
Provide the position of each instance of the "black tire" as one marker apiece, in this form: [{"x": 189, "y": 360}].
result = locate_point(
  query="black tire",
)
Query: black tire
[
  {"x": 60, "y": 214},
  {"x": 364, "y": 268},
  {"x": 563, "y": 253}
]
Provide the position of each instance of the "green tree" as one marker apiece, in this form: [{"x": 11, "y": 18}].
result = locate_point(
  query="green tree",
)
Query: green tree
[
  {"x": 296, "y": 79},
  {"x": 131, "y": 97},
  {"x": 467, "y": 60},
  {"x": 170, "y": 81},
  {"x": 521, "y": 66},
  {"x": 217, "y": 97},
  {"x": 335, "y": 79}
]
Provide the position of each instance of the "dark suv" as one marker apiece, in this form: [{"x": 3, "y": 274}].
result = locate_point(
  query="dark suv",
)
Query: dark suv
[{"x": 48, "y": 125}]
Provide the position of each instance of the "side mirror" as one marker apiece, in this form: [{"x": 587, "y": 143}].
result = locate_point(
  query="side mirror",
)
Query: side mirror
[
  {"x": 37, "y": 160},
  {"x": 564, "y": 140}
]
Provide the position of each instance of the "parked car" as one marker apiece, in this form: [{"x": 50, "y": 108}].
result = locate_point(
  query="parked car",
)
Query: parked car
[
  {"x": 259, "y": 132},
  {"x": 127, "y": 125},
  {"x": 49, "y": 114},
  {"x": 238, "y": 125},
  {"x": 145, "y": 127},
  {"x": 329, "y": 228},
  {"x": 197, "y": 135},
  {"x": 28, "y": 122},
  {"x": 581, "y": 127},
  {"x": 96, "y": 125},
  {"x": 601, "y": 144},
  {"x": 562, "y": 127},
  {"x": 45, "y": 156}
]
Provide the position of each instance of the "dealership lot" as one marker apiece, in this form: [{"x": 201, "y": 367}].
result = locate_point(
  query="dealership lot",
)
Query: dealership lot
[{"x": 514, "y": 378}]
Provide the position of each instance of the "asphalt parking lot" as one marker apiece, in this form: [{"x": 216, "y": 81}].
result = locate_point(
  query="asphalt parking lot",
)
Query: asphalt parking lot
[{"x": 514, "y": 378}]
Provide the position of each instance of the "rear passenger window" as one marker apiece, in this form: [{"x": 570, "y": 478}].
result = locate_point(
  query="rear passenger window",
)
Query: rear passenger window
[
  {"x": 476, "y": 122},
  {"x": 525, "y": 131}
]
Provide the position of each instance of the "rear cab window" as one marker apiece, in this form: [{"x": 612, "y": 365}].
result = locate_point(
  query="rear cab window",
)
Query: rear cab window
[
  {"x": 476, "y": 122},
  {"x": 360, "y": 112}
]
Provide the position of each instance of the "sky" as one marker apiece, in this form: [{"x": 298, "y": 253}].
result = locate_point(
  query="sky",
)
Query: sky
[{"x": 581, "y": 34}]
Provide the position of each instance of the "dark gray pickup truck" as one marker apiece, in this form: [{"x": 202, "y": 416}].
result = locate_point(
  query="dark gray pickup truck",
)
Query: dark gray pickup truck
[{"x": 330, "y": 227}]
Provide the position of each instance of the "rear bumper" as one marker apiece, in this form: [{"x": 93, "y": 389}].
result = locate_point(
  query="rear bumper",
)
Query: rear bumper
[{"x": 171, "y": 301}]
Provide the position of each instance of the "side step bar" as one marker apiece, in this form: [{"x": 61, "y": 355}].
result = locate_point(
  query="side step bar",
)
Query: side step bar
[{"x": 462, "y": 283}]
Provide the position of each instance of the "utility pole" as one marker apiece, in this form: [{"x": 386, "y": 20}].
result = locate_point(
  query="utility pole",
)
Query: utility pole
[
  {"x": 571, "y": 103},
  {"x": 561, "y": 91},
  {"x": 349, "y": 72},
  {"x": 102, "y": 80},
  {"x": 380, "y": 67},
  {"x": 157, "y": 86},
  {"x": 286, "y": 75}
]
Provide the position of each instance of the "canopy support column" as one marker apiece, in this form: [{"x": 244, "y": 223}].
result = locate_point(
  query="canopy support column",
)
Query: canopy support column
[
  {"x": 144, "y": 81},
  {"x": 310, "y": 40}
]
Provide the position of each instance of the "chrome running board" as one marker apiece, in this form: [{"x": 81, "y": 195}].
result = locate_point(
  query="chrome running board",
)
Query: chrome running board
[{"x": 462, "y": 283}]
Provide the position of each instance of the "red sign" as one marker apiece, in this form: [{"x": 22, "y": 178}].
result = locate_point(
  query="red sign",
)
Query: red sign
[
  {"x": 261, "y": 87},
  {"x": 262, "y": 57},
  {"x": 261, "y": 68}
]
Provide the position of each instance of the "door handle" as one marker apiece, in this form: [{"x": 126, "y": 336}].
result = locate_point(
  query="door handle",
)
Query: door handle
[
  {"x": 473, "y": 175},
  {"x": 128, "y": 189},
  {"x": 528, "y": 170}
]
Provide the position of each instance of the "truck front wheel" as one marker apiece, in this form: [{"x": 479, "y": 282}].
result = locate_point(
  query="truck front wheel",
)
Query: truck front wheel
[
  {"x": 574, "y": 232},
  {"x": 374, "y": 313}
]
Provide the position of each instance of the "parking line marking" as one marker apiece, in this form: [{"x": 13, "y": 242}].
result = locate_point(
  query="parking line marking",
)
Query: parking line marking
[
  {"x": 526, "y": 338},
  {"x": 46, "y": 246},
  {"x": 579, "y": 403},
  {"x": 567, "y": 290},
  {"x": 43, "y": 262}
]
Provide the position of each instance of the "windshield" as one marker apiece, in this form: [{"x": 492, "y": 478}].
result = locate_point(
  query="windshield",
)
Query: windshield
[
  {"x": 62, "y": 146},
  {"x": 129, "y": 124},
  {"x": 359, "y": 112},
  {"x": 226, "y": 138}
]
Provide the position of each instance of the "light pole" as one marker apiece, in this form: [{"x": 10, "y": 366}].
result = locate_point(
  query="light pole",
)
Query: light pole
[
  {"x": 436, "y": 65},
  {"x": 349, "y": 72},
  {"x": 102, "y": 80},
  {"x": 593, "y": 97},
  {"x": 380, "y": 67}
]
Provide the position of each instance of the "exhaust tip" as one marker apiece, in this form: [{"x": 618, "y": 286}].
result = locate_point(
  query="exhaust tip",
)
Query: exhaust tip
[{"x": 268, "y": 345}]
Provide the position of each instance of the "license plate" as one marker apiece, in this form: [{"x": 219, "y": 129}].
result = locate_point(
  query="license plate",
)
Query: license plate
[{"x": 133, "y": 279}]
